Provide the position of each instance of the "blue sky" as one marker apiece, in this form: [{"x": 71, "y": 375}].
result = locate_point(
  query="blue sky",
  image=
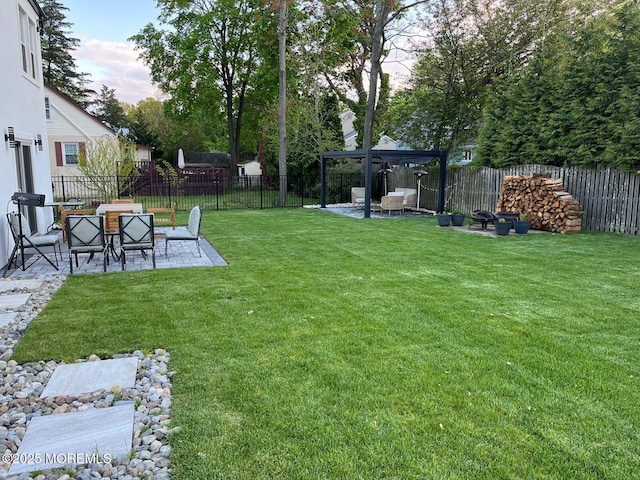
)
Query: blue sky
[{"x": 103, "y": 28}]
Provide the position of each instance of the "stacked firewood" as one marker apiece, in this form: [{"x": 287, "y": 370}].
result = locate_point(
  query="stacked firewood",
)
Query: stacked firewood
[{"x": 543, "y": 200}]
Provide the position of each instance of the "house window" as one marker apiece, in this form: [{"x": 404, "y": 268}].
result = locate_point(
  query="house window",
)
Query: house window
[
  {"x": 71, "y": 151},
  {"x": 28, "y": 44},
  {"x": 47, "y": 108}
]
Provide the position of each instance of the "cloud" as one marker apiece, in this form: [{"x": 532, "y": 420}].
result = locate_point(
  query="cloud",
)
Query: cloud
[{"x": 116, "y": 65}]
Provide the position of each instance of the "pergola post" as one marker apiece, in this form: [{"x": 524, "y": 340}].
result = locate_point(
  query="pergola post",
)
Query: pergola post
[{"x": 323, "y": 181}]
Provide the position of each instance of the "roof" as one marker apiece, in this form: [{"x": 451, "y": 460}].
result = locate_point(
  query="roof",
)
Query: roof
[{"x": 72, "y": 102}]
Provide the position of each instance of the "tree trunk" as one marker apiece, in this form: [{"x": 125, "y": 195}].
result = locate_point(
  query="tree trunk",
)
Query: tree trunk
[{"x": 376, "y": 54}]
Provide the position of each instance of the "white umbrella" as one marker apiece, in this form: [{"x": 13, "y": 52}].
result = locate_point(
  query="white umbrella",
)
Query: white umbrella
[{"x": 180, "y": 159}]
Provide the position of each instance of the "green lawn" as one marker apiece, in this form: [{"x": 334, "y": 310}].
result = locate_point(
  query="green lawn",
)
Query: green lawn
[{"x": 334, "y": 348}]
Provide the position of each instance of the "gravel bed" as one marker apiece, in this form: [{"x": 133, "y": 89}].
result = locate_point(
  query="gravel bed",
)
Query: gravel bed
[{"x": 21, "y": 386}]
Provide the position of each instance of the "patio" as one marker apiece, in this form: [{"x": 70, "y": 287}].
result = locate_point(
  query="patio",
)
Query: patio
[{"x": 180, "y": 254}]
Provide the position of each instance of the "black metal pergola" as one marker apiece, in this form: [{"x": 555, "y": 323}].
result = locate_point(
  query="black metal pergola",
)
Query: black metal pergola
[{"x": 385, "y": 157}]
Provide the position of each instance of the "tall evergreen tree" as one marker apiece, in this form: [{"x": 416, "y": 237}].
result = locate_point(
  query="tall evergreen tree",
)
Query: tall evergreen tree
[
  {"x": 58, "y": 65},
  {"x": 109, "y": 110}
]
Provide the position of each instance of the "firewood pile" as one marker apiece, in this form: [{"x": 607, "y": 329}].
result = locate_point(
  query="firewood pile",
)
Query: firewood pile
[{"x": 543, "y": 200}]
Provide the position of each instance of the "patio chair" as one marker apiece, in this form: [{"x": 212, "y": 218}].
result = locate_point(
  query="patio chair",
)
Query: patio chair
[
  {"x": 394, "y": 201},
  {"x": 112, "y": 227},
  {"x": 164, "y": 215},
  {"x": 85, "y": 234},
  {"x": 122, "y": 200},
  {"x": 357, "y": 195},
  {"x": 191, "y": 233},
  {"x": 70, "y": 211},
  {"x": 136, "y": 233},
  {"x": 18, "y": 225}
]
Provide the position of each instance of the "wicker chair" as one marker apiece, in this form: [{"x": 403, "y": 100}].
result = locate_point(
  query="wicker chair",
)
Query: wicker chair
[{"x": 392, "y": 203}]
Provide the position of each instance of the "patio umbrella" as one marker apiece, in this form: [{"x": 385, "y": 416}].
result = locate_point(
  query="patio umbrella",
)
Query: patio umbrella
[
  {"x": 180, "y": 159},
  {"x": 419, "y": 174}
]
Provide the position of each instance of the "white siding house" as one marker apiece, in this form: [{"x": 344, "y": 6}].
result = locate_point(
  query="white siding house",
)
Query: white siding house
[
  {"x": 347, "y": 118},
  {"x": 69, "y": 128},
  {"x": 24, "y": 152}
]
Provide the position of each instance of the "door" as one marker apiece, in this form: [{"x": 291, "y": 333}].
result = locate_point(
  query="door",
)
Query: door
[{"x": 25, "y": 182}]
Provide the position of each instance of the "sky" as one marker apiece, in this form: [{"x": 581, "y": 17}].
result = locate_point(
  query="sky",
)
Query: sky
[
  {"x": 103, "y": 27},
  {"x": 104, "y": 52}
]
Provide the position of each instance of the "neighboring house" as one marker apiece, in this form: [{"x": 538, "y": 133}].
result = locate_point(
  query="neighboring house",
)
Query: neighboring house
[
  {"x": 24, "y": 153},
  {"x": 385, "y": 143},
  {"x": 70, "y": 127},
  {"x": 249, "y": 168},
  {"x": 351, "y": 135}
]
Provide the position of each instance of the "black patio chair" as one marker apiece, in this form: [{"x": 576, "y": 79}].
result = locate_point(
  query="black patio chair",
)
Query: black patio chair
[
  {"x": 136, "y": 233},
  {"x": 23, "y": 242},
  {"x": 85, "y": 234}
]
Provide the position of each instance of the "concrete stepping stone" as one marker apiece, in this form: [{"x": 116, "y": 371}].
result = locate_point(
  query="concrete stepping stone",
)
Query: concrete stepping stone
[
  {"x": 75, "y": 438},
  {"x": 7, "y": 318},
  {"x": 12, "y": 301},
  {"x": 79, "y": 378},
  {"x": 29, "y": 283}
]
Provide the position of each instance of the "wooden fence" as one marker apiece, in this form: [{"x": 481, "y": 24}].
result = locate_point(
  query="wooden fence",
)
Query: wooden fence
[{"x": 610, "y": 198}]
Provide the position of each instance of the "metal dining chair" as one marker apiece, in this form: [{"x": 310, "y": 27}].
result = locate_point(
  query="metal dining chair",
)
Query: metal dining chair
[
  {"x": 136, "y": 233},
  {"x": 192, "y": 232},
  {"x": 85, "y": 234},
  {"x": 24, "y": 241}
]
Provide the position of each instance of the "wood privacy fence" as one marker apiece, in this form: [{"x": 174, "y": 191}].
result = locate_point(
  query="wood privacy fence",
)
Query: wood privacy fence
[{"x": 610, "y": 198}]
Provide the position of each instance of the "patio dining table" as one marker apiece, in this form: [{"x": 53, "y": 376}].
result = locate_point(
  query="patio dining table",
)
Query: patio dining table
[{"x": 119, "y": 207}]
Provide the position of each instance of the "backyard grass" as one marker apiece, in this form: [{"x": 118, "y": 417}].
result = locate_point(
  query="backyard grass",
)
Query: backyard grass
[{"x": 336, "y": 348}]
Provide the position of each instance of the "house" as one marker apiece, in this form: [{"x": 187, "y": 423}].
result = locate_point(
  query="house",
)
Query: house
[
  {"x": 249, "y": 168},
  {"x": 24, "y": 153},
  {"x": 347, "y": 118},
  {"x": 350, "y": 135},
  {"x": 69, "y": 128}
]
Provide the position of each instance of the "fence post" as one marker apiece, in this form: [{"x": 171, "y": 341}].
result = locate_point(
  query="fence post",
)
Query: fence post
[{"x": 64, "y": 198}]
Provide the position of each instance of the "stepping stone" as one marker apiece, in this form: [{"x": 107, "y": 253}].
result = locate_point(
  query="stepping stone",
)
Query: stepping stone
[
  {"x": 13, "y": 300},
  {"x": 79, "y": 378},
  {"x": 31, "y": 284},
  {"x": 75, "y": 438},
  {"x": 7, "y": 318}
]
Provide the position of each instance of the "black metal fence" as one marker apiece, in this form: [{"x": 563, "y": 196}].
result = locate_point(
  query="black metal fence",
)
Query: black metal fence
[{"x": 211, "y": 189}]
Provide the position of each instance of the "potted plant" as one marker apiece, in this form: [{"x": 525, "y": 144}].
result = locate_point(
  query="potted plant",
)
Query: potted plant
[
  {"x": 522, "y": 225},
  {"x": 502, "y": 226},
  {"x": 444, "y": 218},
  {"x": 457, "y": 218}
]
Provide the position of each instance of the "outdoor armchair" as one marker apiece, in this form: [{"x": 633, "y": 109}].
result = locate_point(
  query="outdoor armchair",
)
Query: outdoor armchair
[{"x": 392, "y": 202}]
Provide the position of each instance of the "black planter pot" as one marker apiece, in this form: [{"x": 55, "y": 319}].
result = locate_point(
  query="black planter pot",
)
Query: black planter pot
[
  {"x": 444, "y": 220},
  {"x": 522, "y": 226},
  {"x": 502, "y": 228},
  {"x": 457, "y": 219}
]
